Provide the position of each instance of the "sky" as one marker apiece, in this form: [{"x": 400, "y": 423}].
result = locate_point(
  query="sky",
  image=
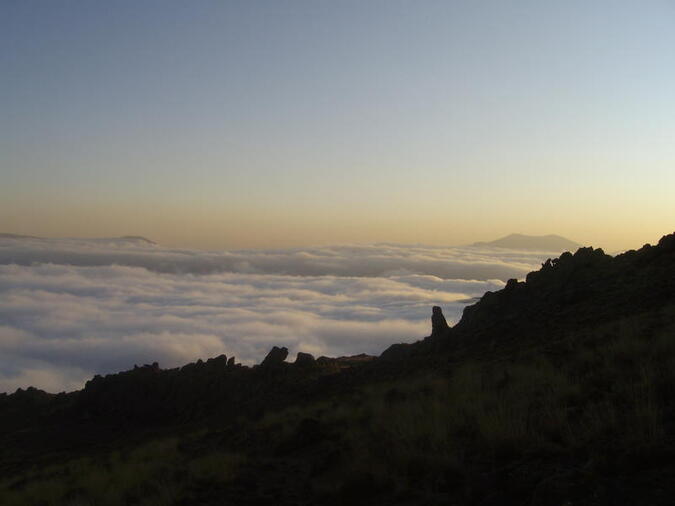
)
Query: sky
[{"x": 215, "y": 124}]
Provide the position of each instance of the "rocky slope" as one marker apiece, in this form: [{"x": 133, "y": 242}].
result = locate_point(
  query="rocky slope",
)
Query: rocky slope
[{"x": 555, "y": 390}]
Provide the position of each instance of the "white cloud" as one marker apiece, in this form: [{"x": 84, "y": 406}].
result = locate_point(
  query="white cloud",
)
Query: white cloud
[
  {"x": 100, "y": 307},
  {"x": 357, "y": 260}
]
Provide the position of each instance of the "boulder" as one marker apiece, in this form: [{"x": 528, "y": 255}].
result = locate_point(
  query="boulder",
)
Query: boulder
[
  {"x": 275, "y": 357},
  {"x": 304, "y": 359},
  {"x": 511, "y": 284},
  {"x": 219, "y": 361}
]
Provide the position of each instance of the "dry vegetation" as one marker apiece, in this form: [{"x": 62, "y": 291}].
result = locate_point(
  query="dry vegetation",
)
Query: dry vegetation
[{"x": 562, "y": 421}]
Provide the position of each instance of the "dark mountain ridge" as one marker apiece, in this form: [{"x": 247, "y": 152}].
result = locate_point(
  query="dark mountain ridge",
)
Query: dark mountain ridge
[
  {"x": 586, "y": 336},
  {"x": 587, "y": 288}
]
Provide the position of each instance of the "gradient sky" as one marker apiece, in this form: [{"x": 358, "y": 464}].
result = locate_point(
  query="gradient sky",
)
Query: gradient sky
[{"x": 266, "y": 124}]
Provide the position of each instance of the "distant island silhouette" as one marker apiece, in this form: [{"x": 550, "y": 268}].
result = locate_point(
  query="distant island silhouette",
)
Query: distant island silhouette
[
  {"x": 4, "y": 235},
  {"x": 550, "y": 242},
  {"x": 133, "y": 238}
]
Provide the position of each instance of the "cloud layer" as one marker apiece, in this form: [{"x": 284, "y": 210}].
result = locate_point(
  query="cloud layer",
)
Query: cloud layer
[
  {"x": 357, "y": 260},
  {"x": 73, "y": 308}
]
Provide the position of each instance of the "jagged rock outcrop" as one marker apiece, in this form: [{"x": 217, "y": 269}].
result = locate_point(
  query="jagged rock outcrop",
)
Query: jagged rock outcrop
[
  {"x": 275, "y": 357},
  {"x": 305, "y": 359},
  {"x": 438, "y": 323},
  {"x": 585, "y": 287},
  {"x": 439, "y": 331},
  {"x": 219, "y": 361}
]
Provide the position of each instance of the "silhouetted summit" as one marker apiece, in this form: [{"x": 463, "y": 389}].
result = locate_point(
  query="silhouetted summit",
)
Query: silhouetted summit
[
  {"x": 588, "y": 287},
  {"x": 574, "y": 289}
]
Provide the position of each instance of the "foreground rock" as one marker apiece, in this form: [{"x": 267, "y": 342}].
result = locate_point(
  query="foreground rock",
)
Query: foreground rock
[
  {"x": 438, "y": 323},
  {"x": 275, "y": 357},
  {"x": 305, "y": 359}
]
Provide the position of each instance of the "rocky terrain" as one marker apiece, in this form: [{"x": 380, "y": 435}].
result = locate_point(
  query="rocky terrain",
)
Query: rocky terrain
[{"x": 556, "y": 390}]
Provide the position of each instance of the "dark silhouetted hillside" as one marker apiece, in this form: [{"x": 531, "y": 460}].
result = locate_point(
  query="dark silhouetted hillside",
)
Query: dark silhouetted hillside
[{"x": 558, "y": 390}]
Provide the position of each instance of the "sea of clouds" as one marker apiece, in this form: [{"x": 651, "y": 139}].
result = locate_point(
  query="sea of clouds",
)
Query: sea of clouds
[{"x": 72, "y": 308}]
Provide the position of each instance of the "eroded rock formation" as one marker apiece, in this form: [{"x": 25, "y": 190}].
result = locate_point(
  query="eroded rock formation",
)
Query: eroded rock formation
[
  {"x": 438, "y": 323},
  {"x": 275, "y": 357}
]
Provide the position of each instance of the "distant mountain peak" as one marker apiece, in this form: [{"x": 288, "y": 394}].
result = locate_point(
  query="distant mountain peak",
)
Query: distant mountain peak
[
  {"x": 129, "y": 238},
  {"x": 4, "y": 235},
  {"x": 550, "y": 242},
  {"x": 138, "y": 238}
]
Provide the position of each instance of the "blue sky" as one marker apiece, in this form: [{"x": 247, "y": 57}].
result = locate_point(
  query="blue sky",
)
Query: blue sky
[{"x": 260, "y": 124}]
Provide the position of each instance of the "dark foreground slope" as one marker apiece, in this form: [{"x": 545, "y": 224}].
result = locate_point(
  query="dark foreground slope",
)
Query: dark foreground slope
[{"x": 557, "y": 390}]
